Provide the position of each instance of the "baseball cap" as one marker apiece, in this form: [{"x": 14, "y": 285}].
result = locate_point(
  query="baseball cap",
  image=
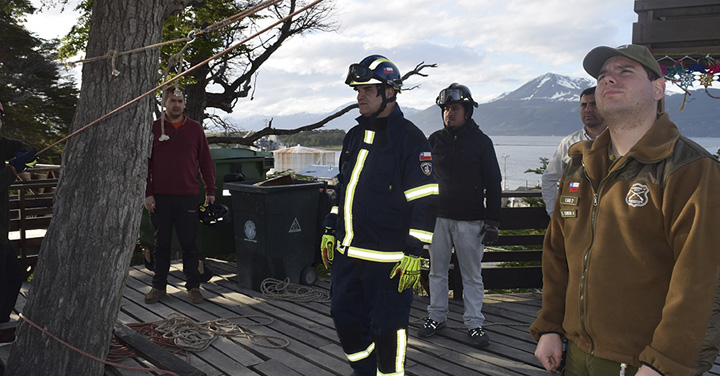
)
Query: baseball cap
[{"x": 595, "y": 59}]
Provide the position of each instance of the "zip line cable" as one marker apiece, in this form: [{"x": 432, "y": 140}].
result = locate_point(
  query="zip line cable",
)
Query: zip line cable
[
  {"x": 191, "y": 69},
  {"x": 112, "y": 54}
]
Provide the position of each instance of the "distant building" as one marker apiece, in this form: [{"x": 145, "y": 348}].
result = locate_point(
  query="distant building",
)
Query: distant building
[
  {"x": 327, "y": 173},
  {"x": 299, "y": 157},
  {"x": 269, "y": 143}
]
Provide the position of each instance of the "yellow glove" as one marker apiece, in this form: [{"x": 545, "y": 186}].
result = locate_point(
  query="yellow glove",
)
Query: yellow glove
[
  {"x": 327, "y": 247},
  {"x": 409, "y": 270}
]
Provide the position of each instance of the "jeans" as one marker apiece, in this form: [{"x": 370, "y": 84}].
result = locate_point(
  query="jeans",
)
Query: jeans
[{"x": 463, "y": 235}]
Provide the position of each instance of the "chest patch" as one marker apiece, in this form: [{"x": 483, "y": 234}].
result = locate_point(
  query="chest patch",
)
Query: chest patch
[
  {"x": 568, "y": 213},
  {"x": 637, "y": 196},
  {"x": 569, "y": 200}
]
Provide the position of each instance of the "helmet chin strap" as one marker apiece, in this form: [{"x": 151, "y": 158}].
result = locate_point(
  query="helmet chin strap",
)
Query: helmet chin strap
[{"x": 385, "y": 101}]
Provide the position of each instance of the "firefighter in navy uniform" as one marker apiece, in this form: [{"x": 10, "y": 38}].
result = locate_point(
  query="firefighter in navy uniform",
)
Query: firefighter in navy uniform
[{"x": 383, "y": 214}]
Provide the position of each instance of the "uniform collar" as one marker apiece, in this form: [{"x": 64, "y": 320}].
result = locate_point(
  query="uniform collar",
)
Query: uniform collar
[{"x": 658, "y": 143}]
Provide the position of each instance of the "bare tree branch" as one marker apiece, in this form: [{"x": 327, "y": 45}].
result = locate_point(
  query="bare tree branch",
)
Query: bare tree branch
[{"x": 268, "y": 131}]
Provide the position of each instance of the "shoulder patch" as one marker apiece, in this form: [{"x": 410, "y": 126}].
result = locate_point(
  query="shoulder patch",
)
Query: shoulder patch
[{"x": 426, "y": 168}]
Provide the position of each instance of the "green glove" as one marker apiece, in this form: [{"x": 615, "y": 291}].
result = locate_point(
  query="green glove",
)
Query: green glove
[
  {"x": 409, "y": 270},
  {"x": 327, "y": 247}
]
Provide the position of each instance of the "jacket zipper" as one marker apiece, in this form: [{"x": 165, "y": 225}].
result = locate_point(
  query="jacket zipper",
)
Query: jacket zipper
[
  {"x": 585, "y": 261},
  {"x": 596, "y": 200}
]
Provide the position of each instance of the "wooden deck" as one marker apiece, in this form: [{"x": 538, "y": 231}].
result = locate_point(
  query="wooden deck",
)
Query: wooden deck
[{"x": 313, "y": 345}]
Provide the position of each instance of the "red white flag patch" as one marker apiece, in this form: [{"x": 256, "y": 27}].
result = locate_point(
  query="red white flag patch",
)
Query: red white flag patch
[
  {"x": 573, "y": 187},
  {"x": 426, "y": 156}
]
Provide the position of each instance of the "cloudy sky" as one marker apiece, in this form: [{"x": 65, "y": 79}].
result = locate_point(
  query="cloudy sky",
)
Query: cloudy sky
[{"x": 491, "y": 46}]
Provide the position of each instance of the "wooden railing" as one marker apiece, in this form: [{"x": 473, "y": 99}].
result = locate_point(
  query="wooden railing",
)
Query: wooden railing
[
  {"x": 31, "y": 206},
  {"x": 495, "y": 275}
]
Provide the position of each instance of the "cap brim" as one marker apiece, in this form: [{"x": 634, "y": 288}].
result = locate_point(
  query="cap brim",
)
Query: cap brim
[{"x": 595, "y": 59}]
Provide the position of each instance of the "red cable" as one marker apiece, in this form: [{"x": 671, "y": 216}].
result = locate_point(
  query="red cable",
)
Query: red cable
[{"x": 91, "y": 356}]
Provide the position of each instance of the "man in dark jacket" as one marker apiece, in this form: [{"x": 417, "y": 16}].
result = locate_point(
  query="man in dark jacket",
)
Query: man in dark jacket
[
  {"x": 20, "y": 156},
  {"x": 469, "y": 179},
  {"x": 382, "y": 216}
]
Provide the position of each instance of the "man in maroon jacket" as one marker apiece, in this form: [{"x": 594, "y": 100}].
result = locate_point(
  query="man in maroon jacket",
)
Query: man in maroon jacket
[{"x": 179, "y": 149}]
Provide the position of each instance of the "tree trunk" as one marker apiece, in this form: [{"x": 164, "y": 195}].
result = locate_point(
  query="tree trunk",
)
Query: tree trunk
[{"x": 84, "y": 260}]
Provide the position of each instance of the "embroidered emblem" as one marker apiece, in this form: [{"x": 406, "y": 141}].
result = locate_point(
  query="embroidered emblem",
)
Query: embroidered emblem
[
  {"x": 573, "y": 186},
  {"x": 568, "y": 200},
  {"x": 425, "y": 156},
  {"x": 568, "y": 213},
  {"x": 426, "y": 168},
  {"x": 637, "y": 195}
]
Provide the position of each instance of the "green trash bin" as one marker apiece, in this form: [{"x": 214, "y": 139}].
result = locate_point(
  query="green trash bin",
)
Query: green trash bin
[
  {"x": 218, "y": 241},
  {"x": 276, "y": 231}
]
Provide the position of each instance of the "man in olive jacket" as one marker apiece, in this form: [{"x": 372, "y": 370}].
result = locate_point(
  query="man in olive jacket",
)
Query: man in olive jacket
[{"x": 630, "y": 258}]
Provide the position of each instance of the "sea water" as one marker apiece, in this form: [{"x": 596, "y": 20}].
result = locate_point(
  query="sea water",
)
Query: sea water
[{"x": 517, "y": 154}]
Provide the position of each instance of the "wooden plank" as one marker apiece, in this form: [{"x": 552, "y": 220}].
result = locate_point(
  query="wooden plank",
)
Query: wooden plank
[
  {"x": 520, "y": 239},
  {"x": 506, "y": 256},
  {"x": 512, "y": 277},
  {"x": 645, "y": 5},
  {"x": 30, "y": 223},
  {"x": 523, "y": 218},
  {"x": 222, "y": 354},
  {"x": 678, "y": 31},
  {"x": 275, "y": 368},
  {"x": 299, "y": 356},
  {"x": 154, "y": 353},
  {"x": 448, "y": 353}
]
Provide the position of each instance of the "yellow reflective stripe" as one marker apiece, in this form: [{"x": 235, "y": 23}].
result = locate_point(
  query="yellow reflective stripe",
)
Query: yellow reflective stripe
[
  {"x": 401, "y": 348},
  {"x": 362, "y": 354},
  {"x": 334, "y": 210},
  {"x": 377, "y": 62},
  {"x": 421, "y": 191},
  {"x": 423, "y": 236},
  {"x": 369, "y": 137},
  {"x": 350, "y": 195},
  {"x": 399, "y": 356},
  {"x": 370, "y": 255}
]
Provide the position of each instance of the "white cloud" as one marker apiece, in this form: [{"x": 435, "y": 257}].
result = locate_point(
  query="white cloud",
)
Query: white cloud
[{"x": 492, "y": 47}]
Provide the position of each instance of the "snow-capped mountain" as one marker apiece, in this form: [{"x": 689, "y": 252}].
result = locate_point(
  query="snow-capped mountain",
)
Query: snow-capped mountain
[
  {"x": 549, "y": 105},
  {"x": 550, "y": 86}
]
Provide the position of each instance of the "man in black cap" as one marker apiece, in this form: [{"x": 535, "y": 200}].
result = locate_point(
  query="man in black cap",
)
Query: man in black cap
[{"x": 630, "y": 257}]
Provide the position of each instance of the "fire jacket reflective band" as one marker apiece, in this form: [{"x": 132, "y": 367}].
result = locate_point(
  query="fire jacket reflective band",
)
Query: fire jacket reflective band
[
  {"x": 423, "y": 236},
  {"x": 369, "y": 137},
  {"x": 352, "y": 185},
  {"x": 334, "y": 210},
  {"x": 422, "y": 191},
  {"x": 370, "y": 255},
  {"x": 362, "y": 354}
]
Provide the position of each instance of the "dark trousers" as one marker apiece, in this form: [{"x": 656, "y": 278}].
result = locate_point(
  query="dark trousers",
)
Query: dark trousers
[
  {"x": 180, "y": 212},
  {"x": 11, "y": 279},
  {"x": 370, "y": 315}
]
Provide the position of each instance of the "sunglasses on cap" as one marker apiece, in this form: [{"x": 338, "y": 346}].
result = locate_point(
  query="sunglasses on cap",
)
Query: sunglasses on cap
[{"x": 361, "y": 73}]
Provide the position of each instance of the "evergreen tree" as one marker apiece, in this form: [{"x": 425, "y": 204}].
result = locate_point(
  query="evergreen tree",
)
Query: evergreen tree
[{"x": 39, "y": 100}]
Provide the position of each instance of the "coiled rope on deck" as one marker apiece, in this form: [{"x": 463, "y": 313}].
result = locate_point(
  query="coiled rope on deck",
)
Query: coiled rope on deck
[
  {"x": 284, "y": 290},
  {"x": 195, "y": 336}
]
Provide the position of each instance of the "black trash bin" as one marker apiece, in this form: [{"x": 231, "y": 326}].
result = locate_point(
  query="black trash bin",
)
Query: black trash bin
[{"x": 276, "y": 230}]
